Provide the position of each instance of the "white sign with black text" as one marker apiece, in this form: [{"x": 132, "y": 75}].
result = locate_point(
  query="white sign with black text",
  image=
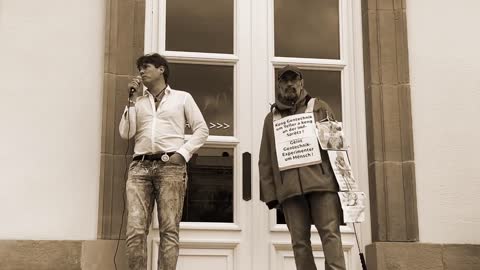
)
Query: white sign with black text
[{"x": 296, "y": 141}]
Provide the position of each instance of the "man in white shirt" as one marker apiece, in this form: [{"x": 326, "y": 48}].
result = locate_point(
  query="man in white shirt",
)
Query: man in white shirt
[{"x": 157, "y": 120}]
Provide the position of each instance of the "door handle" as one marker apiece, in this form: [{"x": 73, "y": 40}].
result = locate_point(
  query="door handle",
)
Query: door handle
[{"x": 247, "y": 176}]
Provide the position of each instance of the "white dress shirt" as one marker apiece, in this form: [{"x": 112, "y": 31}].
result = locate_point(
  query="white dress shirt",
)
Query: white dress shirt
[{"x": 163, "y": 129}]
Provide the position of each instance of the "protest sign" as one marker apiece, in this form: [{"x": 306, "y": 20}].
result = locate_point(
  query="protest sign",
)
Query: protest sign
[
  {"x": 342, "y": 170},
  {"x": 330, "y": 135},
  {"x": 353, "y": 206},
  {"x": 296, "y": 141}
]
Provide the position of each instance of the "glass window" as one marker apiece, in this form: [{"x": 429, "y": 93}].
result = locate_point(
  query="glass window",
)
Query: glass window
[
  {"x": 200, "y": 26},
  {"x": 307, "y": 28},
  {"x": 212, "y": 88},
  {"x": 325, "y": 85},
  {"x": 209, "y": 195}
]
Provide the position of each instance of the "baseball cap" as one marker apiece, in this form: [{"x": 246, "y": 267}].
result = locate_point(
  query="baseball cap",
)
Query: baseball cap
[{"x": 289, "y": 68}]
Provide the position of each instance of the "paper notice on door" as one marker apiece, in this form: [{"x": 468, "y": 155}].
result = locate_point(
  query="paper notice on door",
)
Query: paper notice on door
[
  {"x": 296, "y": 141},
  {"x": 342, "y": 170},
  {"x": 353, "y": 205}
]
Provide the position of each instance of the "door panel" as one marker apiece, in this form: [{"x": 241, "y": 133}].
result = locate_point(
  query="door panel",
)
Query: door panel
[
  {"x": 226, "y": 54},
  {"x": 208, "y": 48}
]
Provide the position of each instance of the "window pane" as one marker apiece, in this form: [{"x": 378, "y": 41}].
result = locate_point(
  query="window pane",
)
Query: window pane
[
  {"x": 200, "y": 26},
  {"x": 307, "y": 28},
  {"x": 209, "y": 195},
  {"x": 212, "y": 88},
  {"x": 325, "y": 85}
]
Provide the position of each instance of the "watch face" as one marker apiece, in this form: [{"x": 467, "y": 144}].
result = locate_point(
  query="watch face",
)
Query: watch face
[{"x": 165, "y": 158}]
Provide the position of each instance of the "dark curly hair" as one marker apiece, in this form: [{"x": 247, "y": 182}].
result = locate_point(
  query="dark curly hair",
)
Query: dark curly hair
[{"x": 155, "y": 59}]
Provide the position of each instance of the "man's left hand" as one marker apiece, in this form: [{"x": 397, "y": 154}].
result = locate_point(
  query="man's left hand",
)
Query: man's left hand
[{"x": 177, "y": 159}]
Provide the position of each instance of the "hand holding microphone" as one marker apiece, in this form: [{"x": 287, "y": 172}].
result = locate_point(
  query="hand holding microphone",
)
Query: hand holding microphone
[{"x": 134, "y": 87}]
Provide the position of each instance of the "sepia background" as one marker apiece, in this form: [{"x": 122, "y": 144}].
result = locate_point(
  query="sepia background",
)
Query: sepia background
[{"x": 64, "y": 65}]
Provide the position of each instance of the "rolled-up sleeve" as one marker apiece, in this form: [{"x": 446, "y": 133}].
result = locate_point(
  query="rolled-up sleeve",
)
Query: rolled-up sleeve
[
  {"x": 197, "y": 123},
  {"x": 128, "y": 123}
]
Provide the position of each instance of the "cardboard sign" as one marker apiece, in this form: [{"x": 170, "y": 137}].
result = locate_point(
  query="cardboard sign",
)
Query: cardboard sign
[
  {"x": 353, "y": 206},
  {"x": 296, "y": 141}
]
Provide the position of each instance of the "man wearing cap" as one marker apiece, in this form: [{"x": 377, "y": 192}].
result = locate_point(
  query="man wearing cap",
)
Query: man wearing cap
[
  {"x": 306, "y": 194},
  {"x": 157, "y": 173}
]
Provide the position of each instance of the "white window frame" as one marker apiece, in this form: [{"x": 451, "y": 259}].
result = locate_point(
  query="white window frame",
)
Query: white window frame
[{"x": 155, "y": 41}]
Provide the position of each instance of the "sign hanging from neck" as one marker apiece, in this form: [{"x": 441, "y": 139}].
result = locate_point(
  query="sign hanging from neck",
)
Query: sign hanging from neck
[{"x": 296, "y": 141}]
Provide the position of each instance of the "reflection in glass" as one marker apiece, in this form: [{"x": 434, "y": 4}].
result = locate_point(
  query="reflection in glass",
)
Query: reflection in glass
[
  {"x": 212, "y": 88},
  {"x": 200, "y": 26},
  {"x": 209, "y": 195},
  {"x": 307, "y": 28},
  {"x": 325, "y": 85}
]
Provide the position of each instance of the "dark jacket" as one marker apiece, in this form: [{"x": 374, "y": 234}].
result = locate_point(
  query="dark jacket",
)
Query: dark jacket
[{"x": 276, "y": 186}]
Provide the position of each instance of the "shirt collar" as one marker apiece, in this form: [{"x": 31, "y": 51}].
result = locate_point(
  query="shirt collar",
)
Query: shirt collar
[{"x": 168, "y": 89}]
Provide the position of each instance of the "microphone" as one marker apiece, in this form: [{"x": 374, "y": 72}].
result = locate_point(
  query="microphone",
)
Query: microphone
[{"x": 133, "y": 89}]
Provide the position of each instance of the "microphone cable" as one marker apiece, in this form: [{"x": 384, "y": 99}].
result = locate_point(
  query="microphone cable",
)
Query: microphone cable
[{"x": 125, "y": 174}]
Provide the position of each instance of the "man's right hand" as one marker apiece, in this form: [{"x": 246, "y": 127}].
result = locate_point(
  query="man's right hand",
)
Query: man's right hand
[{"x": 135, "y": 83}]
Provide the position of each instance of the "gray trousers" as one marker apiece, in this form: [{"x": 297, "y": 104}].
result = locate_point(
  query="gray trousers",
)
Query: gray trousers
[
  {"x": 323, "y": 208},
  {"x": 165, "y": 183}
]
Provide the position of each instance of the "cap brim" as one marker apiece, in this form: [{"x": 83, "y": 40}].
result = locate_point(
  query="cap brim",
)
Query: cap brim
[{"x": 287, "y": 71}]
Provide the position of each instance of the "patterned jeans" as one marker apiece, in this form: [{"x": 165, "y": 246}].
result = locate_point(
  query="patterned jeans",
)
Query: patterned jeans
[{"x": 165, "y": 183}]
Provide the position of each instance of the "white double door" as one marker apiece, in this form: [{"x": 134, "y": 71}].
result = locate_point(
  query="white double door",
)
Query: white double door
[{"x": 225, "y": 225}]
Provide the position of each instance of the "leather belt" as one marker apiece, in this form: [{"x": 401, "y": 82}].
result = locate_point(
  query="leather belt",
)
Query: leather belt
[{"x": 158, "y": 156}]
